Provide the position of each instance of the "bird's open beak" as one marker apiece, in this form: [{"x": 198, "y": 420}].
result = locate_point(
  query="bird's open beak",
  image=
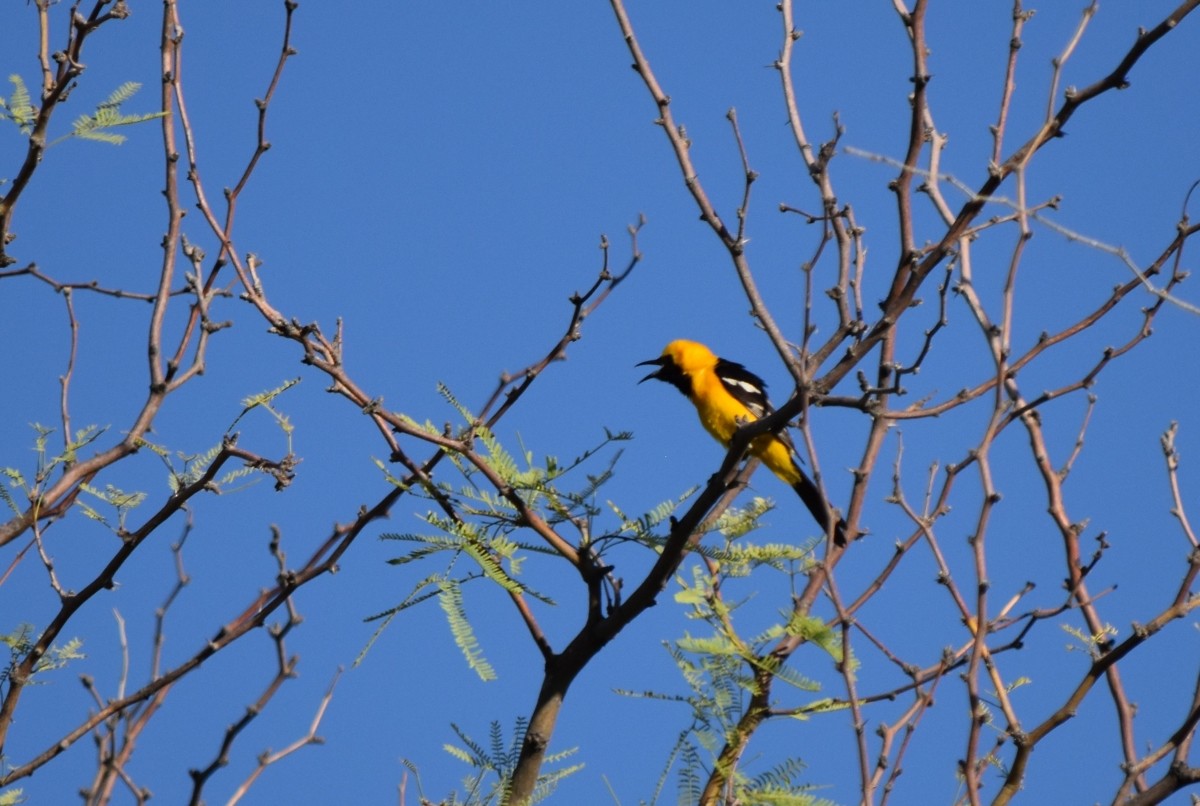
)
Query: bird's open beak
[{"x": 656, "y": 362}]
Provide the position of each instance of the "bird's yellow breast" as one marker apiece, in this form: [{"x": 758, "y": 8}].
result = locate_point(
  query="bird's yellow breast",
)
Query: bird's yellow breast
[{"x": 721, "y": 413}]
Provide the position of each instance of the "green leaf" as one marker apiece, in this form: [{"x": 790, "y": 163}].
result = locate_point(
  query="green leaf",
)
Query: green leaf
[
  {"x": 91, "y": 513},
  {"x": 11, "y": 797},
  {"x": 122, "y": 94},
  {"x": 459, "y": 754},
  {"x": 16, "y": 481},
  {"x": 462, "y": 410},
  {"x": 107, "y": 116},
  {"x": 19, "y": 107},
  {"x": 450, "y": 599}
]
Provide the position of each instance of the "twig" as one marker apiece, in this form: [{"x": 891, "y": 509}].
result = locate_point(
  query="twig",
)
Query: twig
[
  {"x": 1171, "y": 454},
  {"x": 1019, "y": 17},
  {"x": 266, "y": 759},
  {"x": 64, "y": 380}
]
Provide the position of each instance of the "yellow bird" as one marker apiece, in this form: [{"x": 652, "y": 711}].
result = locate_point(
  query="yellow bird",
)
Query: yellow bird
[{"x": 727, "y": 396}]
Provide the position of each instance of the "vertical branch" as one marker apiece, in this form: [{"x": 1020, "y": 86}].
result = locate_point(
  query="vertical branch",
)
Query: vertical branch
[
  {"x": 818, "y": 171},
  {"x": 748, "y": 176},
  {"x": 1019, "y": 18},
  {"x": 43, "y": 13},
  {"x": 1060, "y": 61},
  {"x": 64, "y": 380},
  {"x": 680, "y": 146},
  {"x": 182, "y": 580},
  {"x": 48, "y": 562},
  {"x": 170, "y": 57},
  {"x": 1172, "y": 458},
  {"x": 1070, "y": 533},
  {"x": 914, "y": 24},
  {"x": 849, "y": 680},
  {"x": 115, "y": 746}
]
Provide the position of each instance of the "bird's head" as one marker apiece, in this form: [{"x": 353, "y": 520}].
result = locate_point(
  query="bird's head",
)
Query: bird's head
[{"x": 680, "y": 359}]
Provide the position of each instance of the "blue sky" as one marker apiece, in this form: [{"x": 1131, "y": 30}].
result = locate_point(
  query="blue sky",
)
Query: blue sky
[{"x": 439, "y": 178}]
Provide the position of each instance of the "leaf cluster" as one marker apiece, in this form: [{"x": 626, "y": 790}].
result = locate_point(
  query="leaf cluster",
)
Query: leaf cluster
[
  {"x": 493, "y": 766},
  {"x": 98, "y": 126},
  {"x": 46, "y": 464},
  {"x": 18, "y": 107},
  {"x": 723, "y": 670},
  {"x": 20, "y": 643},
  {"x": 479, "y": 527}
]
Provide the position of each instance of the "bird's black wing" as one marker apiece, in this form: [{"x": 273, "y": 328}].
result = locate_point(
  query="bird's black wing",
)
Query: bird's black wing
[
  {"x": 746, "y": 387},
  {"x": 751, "y": 391}
]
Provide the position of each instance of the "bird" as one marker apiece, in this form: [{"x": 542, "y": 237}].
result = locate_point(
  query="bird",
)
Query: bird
[{"x": 727, "y": 396}]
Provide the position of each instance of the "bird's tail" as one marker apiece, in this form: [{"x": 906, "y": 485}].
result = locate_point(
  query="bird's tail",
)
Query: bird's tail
[
  {"x": 780, "y": 456},
  {"x": 819, "y": 507}
]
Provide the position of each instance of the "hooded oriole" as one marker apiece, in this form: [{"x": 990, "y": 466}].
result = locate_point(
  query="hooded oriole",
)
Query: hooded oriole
[{"x": 727, "y": 396}]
